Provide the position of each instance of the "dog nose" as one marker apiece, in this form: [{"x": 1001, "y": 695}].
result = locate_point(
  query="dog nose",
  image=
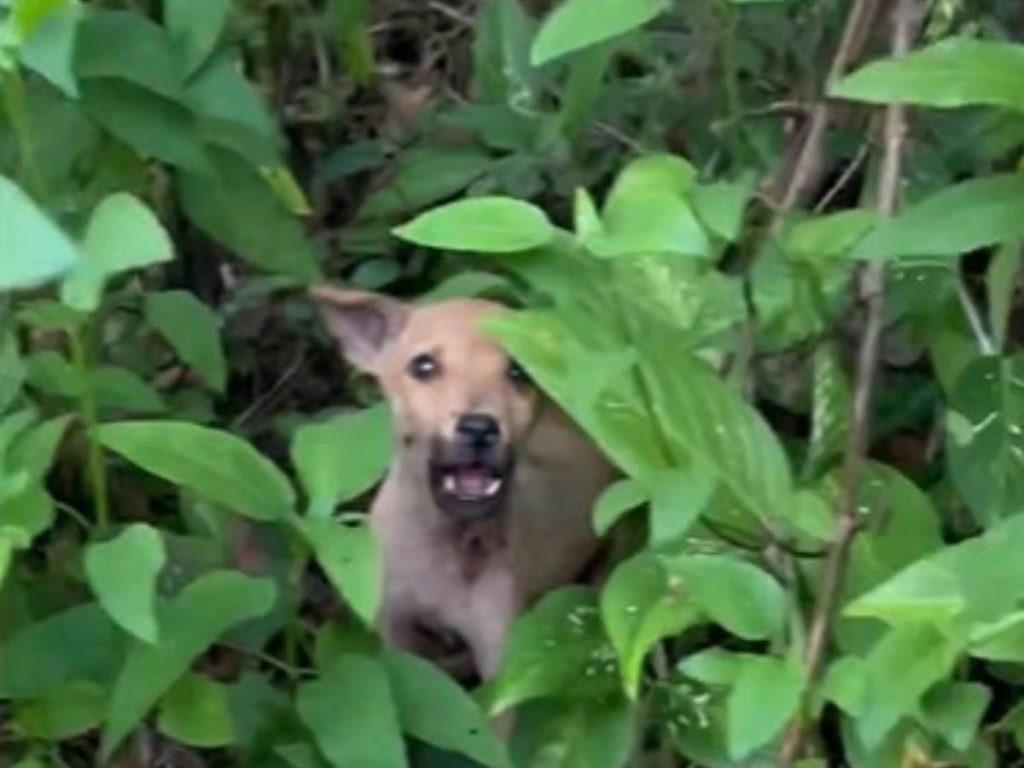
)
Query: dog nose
[{"x": 479, "y": 429}]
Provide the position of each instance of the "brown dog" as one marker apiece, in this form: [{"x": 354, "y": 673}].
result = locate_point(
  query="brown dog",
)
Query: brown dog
[{"x": 488, "y": 501}]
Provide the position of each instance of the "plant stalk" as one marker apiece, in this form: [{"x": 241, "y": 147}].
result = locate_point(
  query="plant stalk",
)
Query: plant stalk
[
  {"x": 96, "y": 470},
  {"x": 871, "y": 289}
]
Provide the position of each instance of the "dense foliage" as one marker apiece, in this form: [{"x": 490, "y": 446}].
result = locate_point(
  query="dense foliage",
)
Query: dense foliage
[{"x": 785, "y": 305}]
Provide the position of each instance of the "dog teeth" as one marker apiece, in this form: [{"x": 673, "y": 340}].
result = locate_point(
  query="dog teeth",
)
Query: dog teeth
[
  {"x": 450, "y": 486},
  {"x": 493, "y": 487}
]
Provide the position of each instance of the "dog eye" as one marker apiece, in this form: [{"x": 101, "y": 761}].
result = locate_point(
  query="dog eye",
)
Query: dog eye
[
  {"x": 516, "y": 373},
  {"x": 424, "y": 367}
]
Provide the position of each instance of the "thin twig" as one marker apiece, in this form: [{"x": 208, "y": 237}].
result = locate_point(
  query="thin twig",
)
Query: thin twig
[
  {"x": 981, "y": 336},
  {"x": 872, "y": 293},
  {"x": 844, "y": 178},
  {"x": 808, "y": 160}
]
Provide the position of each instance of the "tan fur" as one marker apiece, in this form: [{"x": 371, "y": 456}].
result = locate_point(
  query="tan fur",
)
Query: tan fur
[{"x": 471, "y": 579}]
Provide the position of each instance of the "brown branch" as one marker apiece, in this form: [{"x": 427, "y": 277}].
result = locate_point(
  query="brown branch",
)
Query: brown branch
[
  {"x": 871, "y": 289},
  {"x": 805, "y": 166}
]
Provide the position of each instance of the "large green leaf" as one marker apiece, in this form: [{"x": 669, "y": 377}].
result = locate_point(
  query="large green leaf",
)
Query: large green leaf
[
  {"x": 579, "y": 733},
  {"x": 80, "y": 643},
  {"x": 123, "y": 234},
  {"x": 349, "y": 555},
  {"x": 985, "y": 428},
  {"x": 423, "y": 177},
  {"x": 155, "y": 126},
  {"x": 342, "y": 457},
  {"x": 557, "y": 648},
  {"x": 238, "y": 209},
  {"x": 978, "y": 580},
  {"x": 193, "y": 621},
  {"x": 193, "y": 331},
  {"x": 194, "y": 28},
  {"x": 126, "y": 45},
  {"x": 648, "y": 212},
  {"x": 216, "y": 465},
  {"x": 578, "y": 24},
  {"x": 741, "y": 597},
  {"x": 434, "y": 709},
  {"x": 678, "y": 497},
  {"x": 957, "y": 72},
  {"x": 33, "y": 249},
  {"x": 352, "y": 714},
  {"x": 483, "y": 224},
  {"x": 197, "y": 712},
  {"x": 63, "y": 713},
  {"x": 711, "y": 421},
  {"x": 641, "y": 604},
  {"x": 122, "y": 573},
  {"x": 49, "y": 50},
  {"x": 764, "y": 696},
  {"x": 900, "y": 669},
  {"x": 963, "y": 217}
]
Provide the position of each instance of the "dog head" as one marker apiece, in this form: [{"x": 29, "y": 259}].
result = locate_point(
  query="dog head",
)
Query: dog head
[{"x": 462, "y": 407}]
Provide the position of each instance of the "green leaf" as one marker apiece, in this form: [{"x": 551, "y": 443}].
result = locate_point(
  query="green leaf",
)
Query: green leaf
[
  {"x": 819, "y": 238},
  {"x": 648, "y": 212},
  {"x": 501, "y": 56},
  {"x": 986, "y": 455},
  {"x": 584, "y": 733},
  {"x": 49, "y": 51},
  {"x": 737, "y": 595},
  {"x": 352, "y": 715},
  {"x": 194, "y": 28},
  {"x": 577, "y": 24},
  {"x": 80, "y": 643},
  {"x": 196, "y": 712},
  {"x": 720, "y": 206},
  {"x": 640, "y": 605},
  {"x": 343, "y": 457},
  {"x": 711, "y": 421},
  {"x": 1001, "y": 282},
  {"x": 832, "y": 406},
  {"x": 557, "y": 647},
  {"x": 956, "y": 72},
  {"x": 349, "y": 555},
  {"x": 483, "y": 224},
  {"x": 966, "y": 216},
  {"x": 123, "y": 234},
  {"x": 127, "y": 46},
  {"x": 239, "y": 210},
  {"x": 199, "y": 615},
  {"x": 215, "y": 465},
  {"x": 764, "y": 697},
  {"x": 193, "y": 331},
  {"x": 616, "y": 500},
  {"x": 423, "y": 177},
  {"x": 978, "y": 580},
  {"x": 434, "y": 709},
  {"x": 33, "y": 250},
  {"x": 900, "y": 669},
  {"x": 954, "y": 711},
  {"x": 155, "y": 126},
  {"x": 121, "y": 391},
  {"x": 678, "y": 497},
  {"x": 62, "y": 713},
  {"x": 1001, "y": 640},
  {"x": 33, "y": 452},
  {"x": 122, "y": 573}
]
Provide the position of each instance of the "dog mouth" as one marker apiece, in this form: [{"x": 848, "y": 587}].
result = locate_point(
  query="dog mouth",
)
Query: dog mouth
[{"x": 469, "y": 489}]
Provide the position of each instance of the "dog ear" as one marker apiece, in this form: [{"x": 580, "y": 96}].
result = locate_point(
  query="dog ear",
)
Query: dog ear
[{"x": 363, "y": 323}]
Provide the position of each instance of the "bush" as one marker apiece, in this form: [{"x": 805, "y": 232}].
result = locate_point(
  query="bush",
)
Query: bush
[{"x": 768, "y": 254}]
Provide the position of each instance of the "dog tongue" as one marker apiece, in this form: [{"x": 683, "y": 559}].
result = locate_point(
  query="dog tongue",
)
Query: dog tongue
[{"x": 472, "y": 481}]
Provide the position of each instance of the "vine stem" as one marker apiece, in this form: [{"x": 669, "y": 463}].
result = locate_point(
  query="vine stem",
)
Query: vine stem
[
  {"x": 96, "y": 470},
  {"x": 14, "y": 102},
  {"x": 871, "y": 290}
]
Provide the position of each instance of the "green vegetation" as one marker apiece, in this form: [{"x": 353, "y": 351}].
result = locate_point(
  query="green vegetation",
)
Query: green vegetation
[{"x": 769, "y": 255}]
